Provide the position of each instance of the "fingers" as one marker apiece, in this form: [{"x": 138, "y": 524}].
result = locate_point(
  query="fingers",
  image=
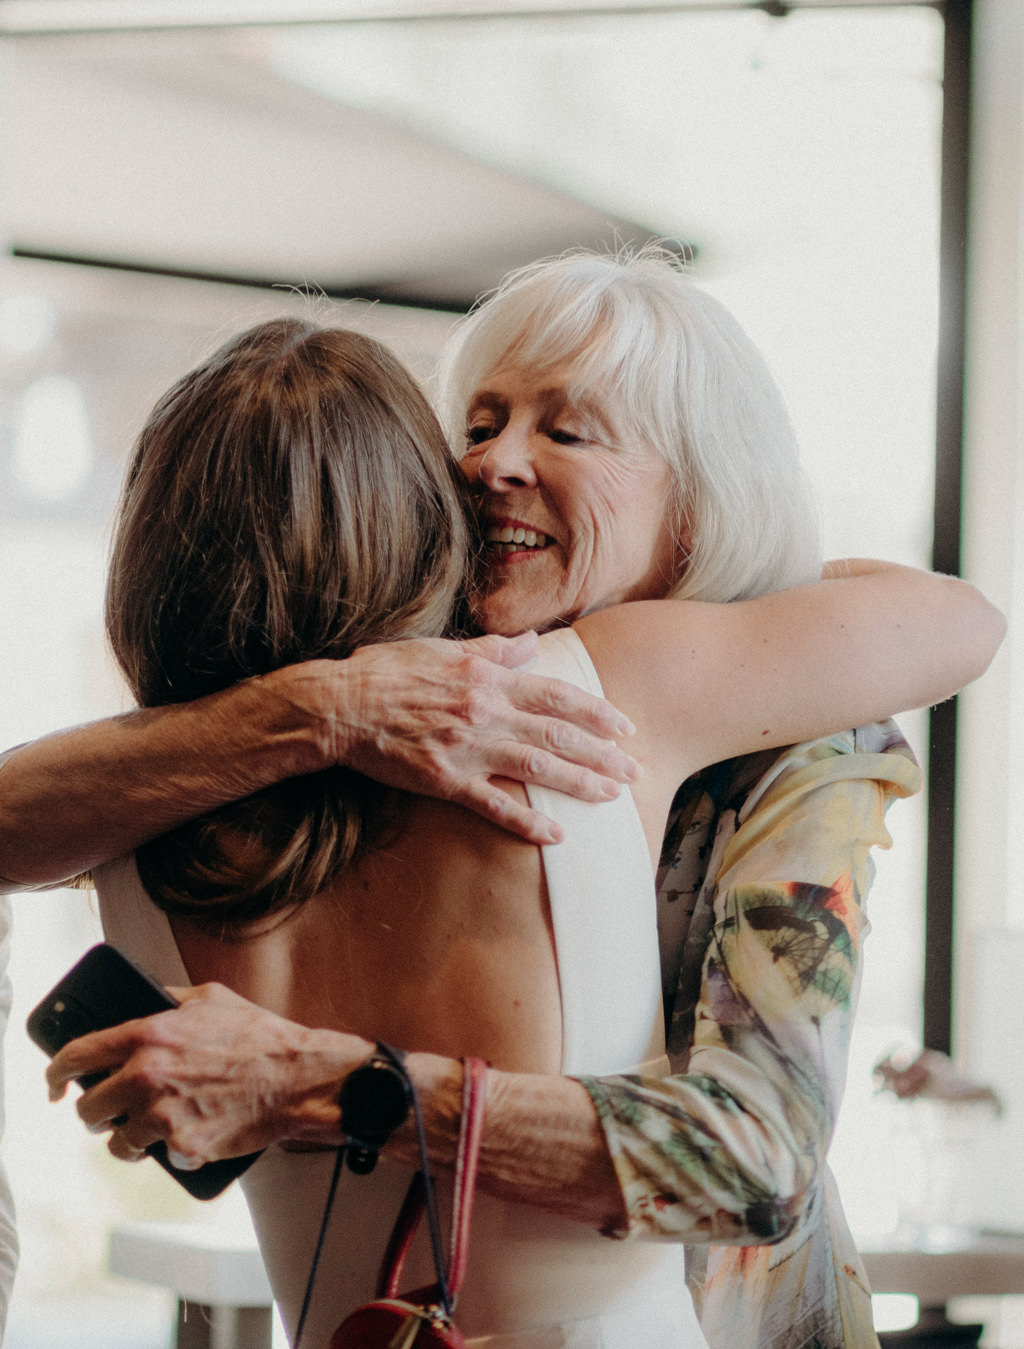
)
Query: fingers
[
  {"x": 214, "y": 994},
  {"x": 572, "y": 761},
  {"x": 494, "y": 804},
  {"x": 537, "y": 693},
  {"x": 511, "y": 652},
  {"x": 483, "y": 798},
  {"x": 552, "y": 734},
  {"x": 568, "y": 761},
  {"x": 183, "y": 1161},
  {"x": 123, "y": 1145},
  {"x": 552, "y": 696},
  {"x": 124, "y": 1151},
  {"x": 112, "y": 1106},
  {"x": 97, "y": 1052}
]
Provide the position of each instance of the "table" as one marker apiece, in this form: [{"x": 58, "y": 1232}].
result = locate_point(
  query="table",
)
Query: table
[
  {"x": 943, "y": 1263},
  {"x": 224, "y": 1299}
]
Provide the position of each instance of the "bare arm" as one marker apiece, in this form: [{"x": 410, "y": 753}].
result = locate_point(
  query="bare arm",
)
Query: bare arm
[
  {"x": 432, "y": 716},
  {"x": 221, "y": 1077},
  {"x": 727, "y": 679}
]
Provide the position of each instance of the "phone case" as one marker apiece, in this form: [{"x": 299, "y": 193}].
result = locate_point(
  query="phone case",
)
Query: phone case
[{"x": 104, "y": 989}]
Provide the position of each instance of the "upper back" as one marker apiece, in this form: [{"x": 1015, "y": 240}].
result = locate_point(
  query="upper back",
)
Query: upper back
[{"x": 447, "y": 938}]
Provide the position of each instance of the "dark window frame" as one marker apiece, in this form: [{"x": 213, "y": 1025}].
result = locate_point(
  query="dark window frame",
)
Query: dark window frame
[{"x": 940, "y": 900}]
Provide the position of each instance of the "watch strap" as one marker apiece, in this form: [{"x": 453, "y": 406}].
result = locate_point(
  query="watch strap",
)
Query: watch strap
[{"x": 361, "y": 1153}]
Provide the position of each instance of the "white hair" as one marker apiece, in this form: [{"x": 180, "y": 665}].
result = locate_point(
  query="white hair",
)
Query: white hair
[{"x": 687, "y": 380}]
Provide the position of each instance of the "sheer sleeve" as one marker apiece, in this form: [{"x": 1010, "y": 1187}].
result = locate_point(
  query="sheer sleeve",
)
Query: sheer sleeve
[{"x": 731, "y": 1149}]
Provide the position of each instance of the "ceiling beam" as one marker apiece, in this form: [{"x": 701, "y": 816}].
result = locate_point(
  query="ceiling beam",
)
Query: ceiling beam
[{"x": 42, "y": 18}]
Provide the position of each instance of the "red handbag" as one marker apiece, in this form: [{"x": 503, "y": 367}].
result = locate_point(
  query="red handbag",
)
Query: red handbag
[{"x": 423, "y": 1318}]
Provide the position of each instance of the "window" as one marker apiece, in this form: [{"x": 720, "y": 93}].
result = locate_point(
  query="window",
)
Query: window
[{"x": 798, "y": 158}]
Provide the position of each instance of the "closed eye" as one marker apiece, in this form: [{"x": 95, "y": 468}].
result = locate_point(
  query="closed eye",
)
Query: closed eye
[
  {"x": 477, "y": 435},
  {"x": 566, "y": 437}
]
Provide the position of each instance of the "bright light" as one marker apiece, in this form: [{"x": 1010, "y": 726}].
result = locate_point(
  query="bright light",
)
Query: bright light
[
  {"x": 27, "y": 323},
  {"x": 894, "y": 1311},
  {"x": 53, "y": 451}
]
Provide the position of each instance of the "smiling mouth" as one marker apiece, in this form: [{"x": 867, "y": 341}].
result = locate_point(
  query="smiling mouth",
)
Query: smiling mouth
[{"x": 509, "y": 540}]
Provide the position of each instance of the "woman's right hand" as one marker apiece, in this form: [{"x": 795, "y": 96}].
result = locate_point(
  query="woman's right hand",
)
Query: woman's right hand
[
  {"x": 435, "y": 717},
  {"x": 445, "y": 718},
  {"x": 216, "y": 1077}
]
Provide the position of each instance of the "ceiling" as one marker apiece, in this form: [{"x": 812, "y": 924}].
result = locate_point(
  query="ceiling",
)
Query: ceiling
[{"x": 187, "y": 153}]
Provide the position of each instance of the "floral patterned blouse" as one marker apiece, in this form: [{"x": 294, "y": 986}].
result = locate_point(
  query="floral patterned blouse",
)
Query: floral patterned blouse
[{"x": 761, "y": 890}]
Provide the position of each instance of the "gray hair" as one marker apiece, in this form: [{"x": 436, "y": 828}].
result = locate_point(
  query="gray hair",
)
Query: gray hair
[{"x": 688, "y": 381}]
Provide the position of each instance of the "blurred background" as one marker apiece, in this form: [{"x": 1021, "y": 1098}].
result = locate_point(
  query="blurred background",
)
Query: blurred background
[{"x": 174, "y": 171}]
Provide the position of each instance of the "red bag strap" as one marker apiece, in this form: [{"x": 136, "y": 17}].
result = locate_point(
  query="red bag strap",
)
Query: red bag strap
[
  {"x": 401, "y": 1238},
  {"x": 471, "y": 1128},
  {"x": 471, "y": 1125}
]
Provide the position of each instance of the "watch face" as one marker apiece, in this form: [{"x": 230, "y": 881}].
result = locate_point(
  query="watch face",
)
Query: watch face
[{"x": 374, "y": 1101}]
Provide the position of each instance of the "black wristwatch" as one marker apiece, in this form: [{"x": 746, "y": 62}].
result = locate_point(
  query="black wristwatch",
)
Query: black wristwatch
[{"x": 374, "y": 1100}]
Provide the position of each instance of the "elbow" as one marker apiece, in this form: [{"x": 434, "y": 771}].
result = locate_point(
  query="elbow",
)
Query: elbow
[
  {"x": 985, "y": 628},
  {"x": 775, "y": 1220},
  {"x": 769, "y": 1219},
  {"x": 755, "y": 1202},
  {"x": 964, "y": 633},
  {"x": 768, "y": 1223},
  {"x": 995, "y": 631},
  {"x": 783, "y": 1187}
]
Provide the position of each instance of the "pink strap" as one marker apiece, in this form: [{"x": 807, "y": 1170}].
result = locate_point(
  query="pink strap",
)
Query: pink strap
[{"x": 474, "y": 1090}]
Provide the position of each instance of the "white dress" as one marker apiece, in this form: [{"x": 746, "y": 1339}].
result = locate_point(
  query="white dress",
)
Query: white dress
[{"x": 533, "y": 1281}]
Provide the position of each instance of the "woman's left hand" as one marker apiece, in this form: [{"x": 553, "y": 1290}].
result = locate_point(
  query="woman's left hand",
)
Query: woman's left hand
[{"x": 217, "y": 1077}]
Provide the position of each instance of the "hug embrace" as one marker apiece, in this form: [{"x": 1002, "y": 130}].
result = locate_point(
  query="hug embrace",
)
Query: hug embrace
[{"x": 341, "y": 817}]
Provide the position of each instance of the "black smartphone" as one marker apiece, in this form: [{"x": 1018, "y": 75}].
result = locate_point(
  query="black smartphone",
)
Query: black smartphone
[{"x": 105, "y": 989}]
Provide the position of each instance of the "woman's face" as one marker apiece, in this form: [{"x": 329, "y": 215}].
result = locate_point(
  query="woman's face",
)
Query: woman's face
[{"x": 575, "y": 511}]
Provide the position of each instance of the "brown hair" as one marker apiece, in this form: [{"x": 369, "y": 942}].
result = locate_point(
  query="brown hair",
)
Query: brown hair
[{"x": 291, "y": 498}]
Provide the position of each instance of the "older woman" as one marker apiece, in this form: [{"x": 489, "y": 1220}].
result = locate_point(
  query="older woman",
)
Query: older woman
[{"x": 734, "y": 1149}]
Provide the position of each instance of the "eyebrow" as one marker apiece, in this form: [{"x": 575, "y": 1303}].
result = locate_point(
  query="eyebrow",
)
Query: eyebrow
[
  {"x": 586, "y": 405},
  {"x": 554, "y": 398},
  {"x": 486, "y": 401}
]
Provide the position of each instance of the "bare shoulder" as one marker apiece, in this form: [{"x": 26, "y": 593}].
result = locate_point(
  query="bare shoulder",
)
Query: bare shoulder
[
  {"x": 652, "y": 660},
  {"x": 644, "y": 649}
]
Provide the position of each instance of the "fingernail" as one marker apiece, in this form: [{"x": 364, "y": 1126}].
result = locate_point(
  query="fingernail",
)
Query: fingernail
[
  {"x": 100, "y": 1128},
  {"x": 634, "y": 770},
  {"x": 183, "y": 1163},
  {"x": 609, "y": 790},
  {"x": 626, "y": 727}
]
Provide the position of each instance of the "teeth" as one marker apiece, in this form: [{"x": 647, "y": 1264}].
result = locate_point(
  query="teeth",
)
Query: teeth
[{"x": 526, "y": 538}]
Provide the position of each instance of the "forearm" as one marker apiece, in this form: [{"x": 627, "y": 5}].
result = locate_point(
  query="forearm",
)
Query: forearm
[
  {"x": 542, "y": 1145},
  {"x": 437, "y": 717},
  {"x": 220, "y": 1077},
  {"x": 80, "y": 797},
  {"x": 695, "y": 1163},
  {"x": 948, "y": 625}
]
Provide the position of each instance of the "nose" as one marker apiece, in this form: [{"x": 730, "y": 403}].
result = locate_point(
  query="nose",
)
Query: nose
[{"x": 505, "y": 462}]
